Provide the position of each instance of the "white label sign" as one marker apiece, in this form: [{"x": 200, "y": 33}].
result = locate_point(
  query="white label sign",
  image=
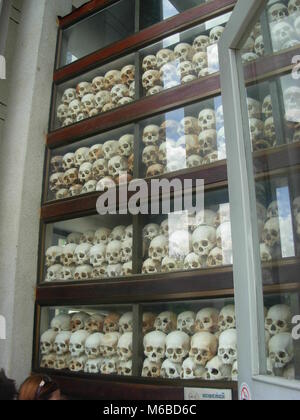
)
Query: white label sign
[{"x": 202, "y": 394}]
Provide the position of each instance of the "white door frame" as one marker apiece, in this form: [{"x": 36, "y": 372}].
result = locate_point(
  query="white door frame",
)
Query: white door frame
[{"x": 247, "y": 263}]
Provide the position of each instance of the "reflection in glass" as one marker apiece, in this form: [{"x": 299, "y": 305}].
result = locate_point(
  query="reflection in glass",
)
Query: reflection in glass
[
  {"x": 98, "y": 31},
  {"x": 190, "y": 341},
  {"x": 186, "y": 138}
]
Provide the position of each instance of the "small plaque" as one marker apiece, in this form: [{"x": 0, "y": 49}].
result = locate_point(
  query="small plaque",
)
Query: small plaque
[{"x": 203, "y": 394}]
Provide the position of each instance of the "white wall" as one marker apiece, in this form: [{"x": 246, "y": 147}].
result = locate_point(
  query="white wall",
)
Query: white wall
[{"x": 22, "y": 150}]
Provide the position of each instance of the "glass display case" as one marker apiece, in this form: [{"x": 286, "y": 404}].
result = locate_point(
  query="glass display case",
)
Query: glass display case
[
  {"x": 87, "y": 248},
  {"x": 183, "y": 57},
  {"x": 87, "y": 167},
  {"x": 91, "y": 340},
  {"x": 96, "y": 92},
  {"x": 183, "y": 139},
  {"x": 97, "y": 31},
  {"x": 154, "y": 11}
]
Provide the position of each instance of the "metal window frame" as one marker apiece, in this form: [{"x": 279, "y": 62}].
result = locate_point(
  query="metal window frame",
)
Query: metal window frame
[{"x": 247, "y": 262}]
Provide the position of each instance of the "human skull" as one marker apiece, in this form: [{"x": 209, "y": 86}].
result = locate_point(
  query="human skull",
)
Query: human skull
[
  {"x": 111, "y": 149},
  {"x": 126, "y": 145},
  {"x": 77, "y": 343},
  {"x": 201, "y": 43},
  {"x": 186, "y": 322},
  {"x": 155, "y": 90},
  {"x": 216, "y": 258},
  {"x": 200, "y": 61},
  {"x": 75, "y": 190},
  {"x": 117, "y": 165},
  {"x": 217, "y": 371},
  {"x": 188, "y": 125},
  {"x": 256, "y": 129},
  {"x": 190, "y": 370},
  {"x": 109, "y": 346},
  {"x": 215, "y": 34},
  {"x": 89, "y": 187},
  {"x": 119, "y": 92},
  {"x": 53, "y": 255},
  {"x": 171, "y": 370},
  {"x": 102, "y": 98},
  {"x": 151, "y": 79},
  {"x": 93, "y": 345},
  {"x": 155, "y": 346},
  {"x": 82, "y": 254},
  {"x": 118, "y": 233},
  {"x": 265, "y": 253},
  {"x": 74, "y": 238},
  {"x": 270, "y": 132},
  {"x": 294, "y": 7},
  {"x": 112, "y": 78},
  {"x": 151, "y": 267},
  {"x": 78, "y": 321},
  {"x": 192, "y": 262},
  {"x": 125, "y": 347},
  {"x": 254, "y": 108},
  {"x": 126, "y": 251},
  {"x": 177, "y": 346},
  {"x": 278, "y": 320},
  {"x": 83, "y": 272},
  {"x": 227, "y": 319},
  {"x": 186, "y": 68},
  {"x": 194, "y": 161},
  {"x": 56, "y": 182},
  {"x": 98, "y": 255},
  {"x": 166, "y": 322},
  {"x": 125, "y": 368},
  {"x": 190, "y": 143},
  {"x": 126, "y": 323},
  {"x": 164, "y": 56},
  {"x": 94, "y": 324},
  {"x": 62, "y": 342},
  {"x": 151, "y": 231},
  {"x": 56, "y": 163},
  {"x": 277, "y": 12},
  {"x": 111, "y": 323},
  {"x": 207, "y": 320},
  {"x": 204, "y": 240},
  {"x": 267, "y": 107},
  {"x": 100, "y": 169},
  {"x": 184, "y": 52},
  {"x": 204, "y": 347},
  {"x": 77, "y": 364},
  {"x": 170, "y": 264},
  {"x": 149, "y": 63},
  {"x": 151, "y": 369},
  {"x": 93, "y": 366},
  {"x": 110, "y": 366},
  {"x": 100, "y": 272},
  {"x": 75, "y": 108},
  {"x": 207, "y": 120},
  {"x": 48, "y": 361},
  {"x": 271, "y": 232},
  {"x": 281, "y": 349},
  {"x": 259, "y": 46},
  {"x": 67, "y": 256},
  {"x": 128, "y": 74},
  {"x": 69, "y": 95},
  {"x": 282, "y": 32},
  {"x": 148, "y": 322},
  {"x": 62, "y": 112},
  {"x": 47, "y": 344},
  {"x": 228, "y": 347},
  {"x": 113, "y": 252},
  {"x": 61, "y": 323},
  {"x": 83, "y": 88},
  {"x": 224, "y": 238},
  {"x": 151, "y": 135},
  {"x": 62, "y": 362},
  {"x": 70, "y": 178},
  {"x": 54, "y": 273},
  {"x": 81, "y": 156},
  {"x": 158, "y": 248},
  {"x": 98, "y": 84}
]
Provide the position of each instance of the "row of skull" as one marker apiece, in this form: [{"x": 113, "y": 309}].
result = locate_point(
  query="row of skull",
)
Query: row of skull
[
  {"x": 183, "y": 64},
  {"x": 104, "y": 93},
  {"x": 80, "y": 172}
]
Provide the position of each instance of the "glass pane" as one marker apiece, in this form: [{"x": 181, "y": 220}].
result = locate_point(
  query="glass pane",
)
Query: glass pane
[
  {"x": 190, "y": 340},
  {"x": 186, "y": 241},
  {"x": 98, "y": 31},
  {"x": 277, "y": 30},
  {"x": 94, "y": 340},
  {"x": 88, "y": 248},
  {"x": 183, "y": 57},
  {"x": 274, "y": 118},
  {"x": 90, "y": 165},
  {"x": 154, "y": 11},
  {"x": 98, "y": 91},
  {"x": 183, "y": 139}
]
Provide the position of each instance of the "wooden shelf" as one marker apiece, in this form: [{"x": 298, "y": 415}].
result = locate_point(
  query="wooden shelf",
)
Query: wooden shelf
[
  {"x": 118, "y": 388},
  {"x": 209, "y": 283},
  {"x": 189, "y": 18}
]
